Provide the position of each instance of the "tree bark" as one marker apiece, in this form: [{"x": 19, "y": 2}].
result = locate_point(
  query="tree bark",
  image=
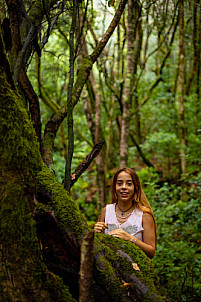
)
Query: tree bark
[
  {"x": 86, "y": 268},
  {"x": 69, "y": 107},
  {"x": 199, "y": 60},
  {"x": 193, "y": 72},
  {"x": 182, "y": 89},
  {"x": 131, "y": 69},
  {"x": 24, "y": 30},
  {"x": 100, "y": 160}
]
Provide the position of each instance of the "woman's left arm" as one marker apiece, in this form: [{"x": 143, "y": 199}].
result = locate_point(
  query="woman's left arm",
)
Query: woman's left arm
[{"x": 148, "y": 244}]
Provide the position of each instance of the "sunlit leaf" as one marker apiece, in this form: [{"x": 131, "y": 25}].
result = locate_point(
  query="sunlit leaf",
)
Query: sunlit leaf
[
  {"x": 126, "y": 285},
  {"x": 73, "y": 176},
  {"x": 135, "y": 266}
]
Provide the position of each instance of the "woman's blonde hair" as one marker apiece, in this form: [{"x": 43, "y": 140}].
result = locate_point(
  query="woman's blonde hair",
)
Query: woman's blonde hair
[{"x": 139, "y": 198}]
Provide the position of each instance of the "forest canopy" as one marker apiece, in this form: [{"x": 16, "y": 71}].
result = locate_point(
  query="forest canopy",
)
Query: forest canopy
[{"x": 87, "y": 87}]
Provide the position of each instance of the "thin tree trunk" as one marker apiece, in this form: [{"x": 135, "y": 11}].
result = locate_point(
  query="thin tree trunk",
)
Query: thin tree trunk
[
  {"x": 138, "y": 46},
  {"x": 195, "y": 50},
  {"x": 199, "y": 59},
  {"x": 129, "y": 81},
  {"x": 69, "y": 107},
  {"x": 145, "y": 160},
  {"x": 109, "y": 138},
  {"x": 97, "y": 134},
  {"x": 182, "y": 89},
  {"x": 100, "y": 160}
]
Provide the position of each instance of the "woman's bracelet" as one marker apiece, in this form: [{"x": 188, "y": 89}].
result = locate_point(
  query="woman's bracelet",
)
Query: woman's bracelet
[{"x": 134, "y": 240}]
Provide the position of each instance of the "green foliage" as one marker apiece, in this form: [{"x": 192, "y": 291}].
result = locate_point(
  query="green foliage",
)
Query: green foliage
[
  {"x": 149, "y": 179},
  {"x": 177, "y": 212},
  {"x": 165, "y": 147},
  {"x": 84, "y": 195},
  {"x": 59, "y": 166},
  {"x": 164, "y": 144}
]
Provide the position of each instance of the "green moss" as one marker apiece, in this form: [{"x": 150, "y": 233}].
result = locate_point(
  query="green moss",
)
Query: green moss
[
  {"x": 83, "y": 74},
  {"x": 62, "y": 293},
  {"x": 121, "y": 254},
  {"x": 69, "y": 217},
  {"x": 37, "y": 11},
  {"x": 108, "y": 275},
  {"x": 18, "y": 150},
  {"x": 22, "y": 258}
]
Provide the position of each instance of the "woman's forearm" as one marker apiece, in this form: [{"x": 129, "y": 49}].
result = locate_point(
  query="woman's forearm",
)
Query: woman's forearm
[{"x": 149, "y": 250}]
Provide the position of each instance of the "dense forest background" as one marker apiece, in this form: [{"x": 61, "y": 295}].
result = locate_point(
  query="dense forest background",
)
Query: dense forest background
[{"x": 142, "y": 97}]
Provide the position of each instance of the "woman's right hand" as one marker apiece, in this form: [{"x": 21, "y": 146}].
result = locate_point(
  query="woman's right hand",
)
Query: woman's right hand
[{"x": 100, "y": 227}]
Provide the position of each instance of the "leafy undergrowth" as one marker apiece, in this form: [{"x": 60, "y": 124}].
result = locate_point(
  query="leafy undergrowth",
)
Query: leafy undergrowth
[{"x": 178, "y": 256}]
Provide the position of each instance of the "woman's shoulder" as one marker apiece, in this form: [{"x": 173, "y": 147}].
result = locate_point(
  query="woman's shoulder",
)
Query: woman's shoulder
[
  {"x": 110, "y": 206},
  {"x": 108, "y": 209},
  {"x": 145, "y": 210},
  {"x": 102, "y": 215},
  {"x": 147, "y": 217},
  {"x": 139, "y": 211}
]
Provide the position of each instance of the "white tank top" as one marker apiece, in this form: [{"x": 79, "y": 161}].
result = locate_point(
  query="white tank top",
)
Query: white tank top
[{"x": 133, "y": 225}]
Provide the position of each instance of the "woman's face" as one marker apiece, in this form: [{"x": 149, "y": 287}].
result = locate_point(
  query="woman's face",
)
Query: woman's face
[{"x": 124, "y": 187}]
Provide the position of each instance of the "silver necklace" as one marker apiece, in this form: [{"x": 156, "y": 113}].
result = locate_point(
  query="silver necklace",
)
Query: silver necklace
[
  {"x": 122, "y": 212},
  {"x": 124, "y": 216}
]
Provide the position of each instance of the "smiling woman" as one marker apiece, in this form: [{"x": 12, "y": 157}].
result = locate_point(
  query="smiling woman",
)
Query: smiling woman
[{"x": 130, "y": 216}]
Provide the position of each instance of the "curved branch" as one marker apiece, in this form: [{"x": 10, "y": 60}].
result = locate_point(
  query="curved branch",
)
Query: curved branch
[
  {"x": 96, "y": 53},
  {"x": 20, "y": 58},
  {"x": 86, "y": 162},
  {"x": 34, "y": 106},
  {"x": 145, "y": 160}
]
